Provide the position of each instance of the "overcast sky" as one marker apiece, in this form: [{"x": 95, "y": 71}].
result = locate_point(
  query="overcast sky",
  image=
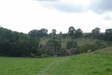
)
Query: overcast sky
[{"x": 25, "y": 15}]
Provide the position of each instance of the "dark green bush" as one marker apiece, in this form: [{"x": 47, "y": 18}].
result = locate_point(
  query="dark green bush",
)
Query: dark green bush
[
  {"x": 54, "y": 45},
  {"x": 86, "y": 48},
  {"x": 92, "y": 47},
  {"x": 71, "y": 44}
]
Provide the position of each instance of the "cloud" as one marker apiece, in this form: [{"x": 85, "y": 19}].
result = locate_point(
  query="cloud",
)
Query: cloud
[
  {"x": 25, "y": 15},
  {"x": 46, "y": 0},
  {"x": 64, "y": 6},
  {"x": 98, "y": 6},
  {"x": 108, "y": 17},
  {"x": 102, "y": 6}
]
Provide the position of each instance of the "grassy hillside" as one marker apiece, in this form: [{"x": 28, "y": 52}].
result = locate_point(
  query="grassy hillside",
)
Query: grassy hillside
[
  {"x": 105, "y": 51},
  {"x": 98, "y": 63}
]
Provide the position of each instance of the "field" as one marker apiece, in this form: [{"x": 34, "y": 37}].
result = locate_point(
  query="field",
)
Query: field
[{"x": 97, "y": 63}]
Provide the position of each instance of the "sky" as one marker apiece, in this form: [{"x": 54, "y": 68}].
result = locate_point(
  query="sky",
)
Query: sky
[{"x": 25, "y": 15}]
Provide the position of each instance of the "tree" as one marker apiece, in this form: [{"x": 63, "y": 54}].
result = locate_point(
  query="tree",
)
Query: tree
[
  {"x": 54, "y": 44},
  {"x": 38, "y": 33},
  {"x": 78, "y": 33},
  {"x": 72, "y": 47},
  {"x": 44, "y": 32},
  {"x": 24, "y": 46},
  {"x": 16, "y": 44},
  {"x": 108, "y": 34},
  {"x": 71, "y": 31},
  {"x": 60, "y": 33},
  {"x": 71, "y": 44},
  {"x": 34, "y": 33},
  {"x": 53, "y": 31},
  {"x": 96, "y": 32}
]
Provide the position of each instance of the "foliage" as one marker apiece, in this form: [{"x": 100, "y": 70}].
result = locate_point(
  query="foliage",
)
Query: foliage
[
  {"x": 38, "y": 43},
  {"x": 54, "y": 45},
  {"x": 108, "y": 35},
  {"x": 71, "y": 31},
  {"x": 93, "y": 47},
  {"x": 71, "y": 44},
  {"x": 16, "y": 44},
  {"x": 38, "y": 33},
  {"x": 78, "y": 33}
]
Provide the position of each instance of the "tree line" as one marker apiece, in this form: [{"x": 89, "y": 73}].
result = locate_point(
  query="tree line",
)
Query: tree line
[{"x": 17, "y": 44}]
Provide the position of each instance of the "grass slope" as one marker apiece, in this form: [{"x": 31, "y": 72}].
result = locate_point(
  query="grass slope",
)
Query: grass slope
[
  {"x": 98, "y": 63},
  {"x": 105, "y": 51}
]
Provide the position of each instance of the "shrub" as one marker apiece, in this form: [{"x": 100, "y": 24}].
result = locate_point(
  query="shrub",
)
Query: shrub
[
  {"x": 54, "y": 45},
  {"x": 86, "y": 48},
  {"x": 100, "y": 44},
  {"x": 92, "y": 47},
  {"x": 72, "y": 44}
]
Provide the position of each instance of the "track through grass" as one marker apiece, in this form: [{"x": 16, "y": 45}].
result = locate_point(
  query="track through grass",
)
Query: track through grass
[{"x": 84, "y": 64}]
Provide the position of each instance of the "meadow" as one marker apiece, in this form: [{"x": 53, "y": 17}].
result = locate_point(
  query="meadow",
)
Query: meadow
[{"x": 96, "y": 63}]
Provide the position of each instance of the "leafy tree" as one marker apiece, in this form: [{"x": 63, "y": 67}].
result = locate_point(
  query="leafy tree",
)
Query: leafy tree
[
  {"x": 78, "y": 33},
  {"x": 34, "y": 33},
  {"x": 71, "y": 31},
  {"x": 54, "y": 45},
  {"x": 38, "y": 33},
  {"x": 44, "y": 32},
  {"x": 53, "y": 32},
  {"x": 96, "y": 32},
  {"x": 72, "y": 44},
  {"x": 108, "y": 35},
  {"x": 16, "y": 44}
]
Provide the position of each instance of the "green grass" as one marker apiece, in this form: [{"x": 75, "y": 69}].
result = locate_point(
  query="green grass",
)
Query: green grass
[
  {"x": 98, "y": 63},
  {"x": 105, "y": 51}
]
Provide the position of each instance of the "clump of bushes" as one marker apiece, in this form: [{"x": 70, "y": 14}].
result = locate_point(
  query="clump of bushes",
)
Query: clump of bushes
[
  {"x": 53, "y": 47},
  {"x": 71, "y": 44},
  {"x": 92, "y": 47},
  {"x": 85, "y": 48}
]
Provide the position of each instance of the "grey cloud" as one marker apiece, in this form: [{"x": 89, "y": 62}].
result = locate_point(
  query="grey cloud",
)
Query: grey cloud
[
  {"x": 98, "y": 6},
  {"x": 46, "y": 0},
  {"x": 102, "y": 6},
  {"x": 64, "y": 7},
  {"x": 61, "y": 6},
  {"x": 108, "y": 17},
  {"x": 67, "y": 7}
]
